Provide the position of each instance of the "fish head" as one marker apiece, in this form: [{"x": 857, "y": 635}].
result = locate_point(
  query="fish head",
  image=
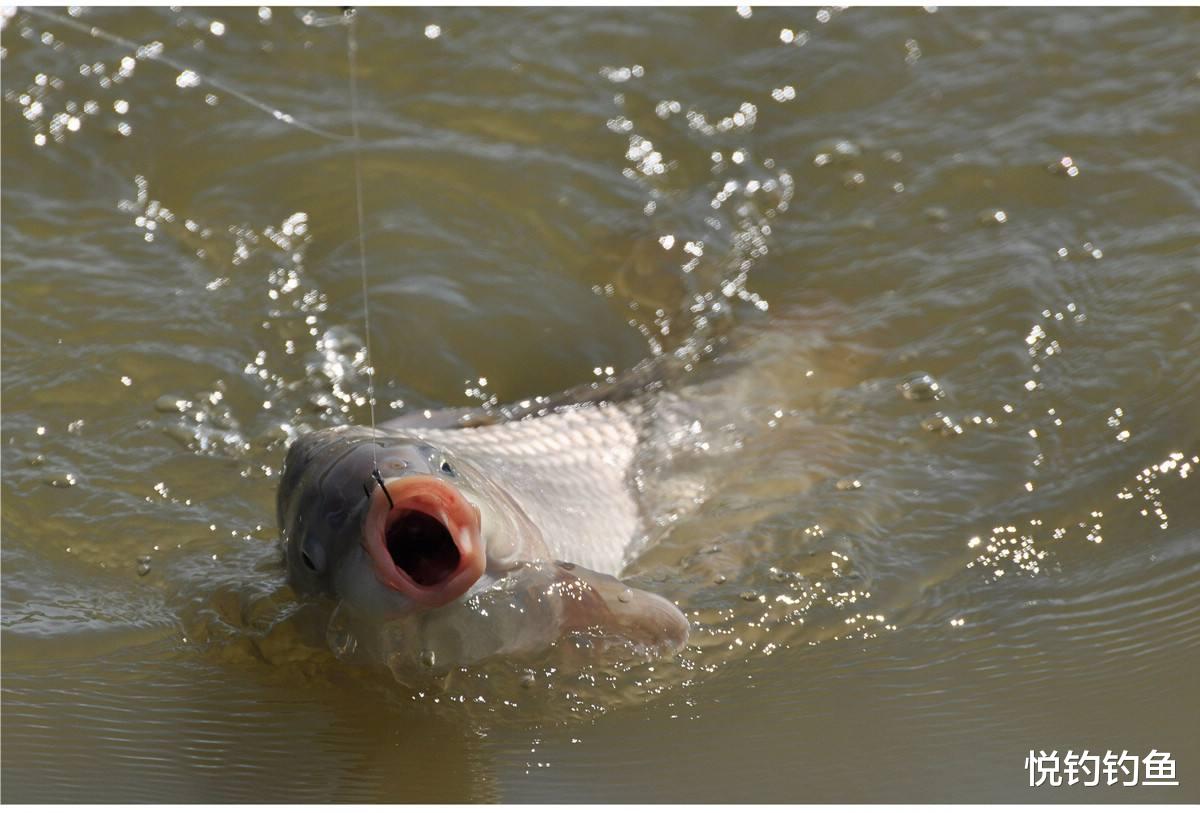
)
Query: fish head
[{"x": 388, "y": 523}]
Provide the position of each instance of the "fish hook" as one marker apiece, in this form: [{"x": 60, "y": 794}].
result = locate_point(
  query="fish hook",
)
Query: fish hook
[{"x": 377, "y": 477}]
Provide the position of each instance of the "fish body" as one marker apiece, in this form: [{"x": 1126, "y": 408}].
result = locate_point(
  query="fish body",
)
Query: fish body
[{"x": 467, "y": 541}]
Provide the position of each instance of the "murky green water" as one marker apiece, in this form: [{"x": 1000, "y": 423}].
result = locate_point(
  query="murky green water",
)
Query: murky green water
[{"x": 895, "y": 596}]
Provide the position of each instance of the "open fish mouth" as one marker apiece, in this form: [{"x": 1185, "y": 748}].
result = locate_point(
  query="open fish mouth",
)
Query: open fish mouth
[{"x": 423, "y": 538}]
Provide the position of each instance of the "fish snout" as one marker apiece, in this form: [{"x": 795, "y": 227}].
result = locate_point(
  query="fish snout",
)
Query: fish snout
[{"x": 424, "y": 539}]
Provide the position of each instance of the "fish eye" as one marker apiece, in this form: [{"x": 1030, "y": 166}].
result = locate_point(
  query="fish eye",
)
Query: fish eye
[{"x": 448, "y": 469}]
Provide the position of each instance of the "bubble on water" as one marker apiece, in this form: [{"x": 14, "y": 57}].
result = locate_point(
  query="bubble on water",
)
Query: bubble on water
[
  {"x": 143, "y": 565},
  {"x": 187, "y": 79},
  {"x": 921, "y": 387},
  {"x": 433, "y": 31},
  {"x": 993, "y": 217},
  {"x": 428, "y": 658},
  {"x": 217, "y": 28},
  {"x": 848, "y": 484}
]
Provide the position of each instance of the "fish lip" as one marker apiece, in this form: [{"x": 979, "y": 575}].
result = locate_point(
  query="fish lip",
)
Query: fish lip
[{"x": 445, "y": 503}]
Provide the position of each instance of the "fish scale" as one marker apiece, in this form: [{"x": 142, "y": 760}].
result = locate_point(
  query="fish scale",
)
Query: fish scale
[{"x": 570, "y": 471}]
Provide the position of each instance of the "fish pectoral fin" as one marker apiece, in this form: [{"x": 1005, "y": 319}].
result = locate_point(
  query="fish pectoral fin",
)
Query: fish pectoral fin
[{"x": 598, "y": 604}]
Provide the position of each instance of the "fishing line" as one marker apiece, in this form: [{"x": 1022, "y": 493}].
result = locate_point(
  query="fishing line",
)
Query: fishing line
[
  {"x": 351, "y": 17},
  {"x": 144, "y": 52}
]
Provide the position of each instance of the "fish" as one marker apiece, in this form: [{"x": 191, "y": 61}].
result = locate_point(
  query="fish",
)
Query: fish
[{"x": 452, "y": 537}]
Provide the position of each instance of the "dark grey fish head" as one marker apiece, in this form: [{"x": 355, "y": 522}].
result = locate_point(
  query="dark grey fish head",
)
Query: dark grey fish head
[{"x": 381, "y": 521}]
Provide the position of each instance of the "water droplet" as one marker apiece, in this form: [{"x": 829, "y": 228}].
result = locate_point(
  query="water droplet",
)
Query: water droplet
[
  {"x": 921, "y": 387},
  {"x": 61, "y": 480},
  {"x": 428, "y": 658},
  {"x": 171, "y": 403},
  {"x": 1065, "y": 167},
  {"x": 942, "y": 425}
]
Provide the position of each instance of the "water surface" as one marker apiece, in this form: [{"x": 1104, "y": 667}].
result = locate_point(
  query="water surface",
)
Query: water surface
[{"x": 897, "y": 589}]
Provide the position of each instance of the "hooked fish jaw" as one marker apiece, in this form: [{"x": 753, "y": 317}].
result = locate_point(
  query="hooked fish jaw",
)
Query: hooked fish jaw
[{"x": 424, "y": 539}]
